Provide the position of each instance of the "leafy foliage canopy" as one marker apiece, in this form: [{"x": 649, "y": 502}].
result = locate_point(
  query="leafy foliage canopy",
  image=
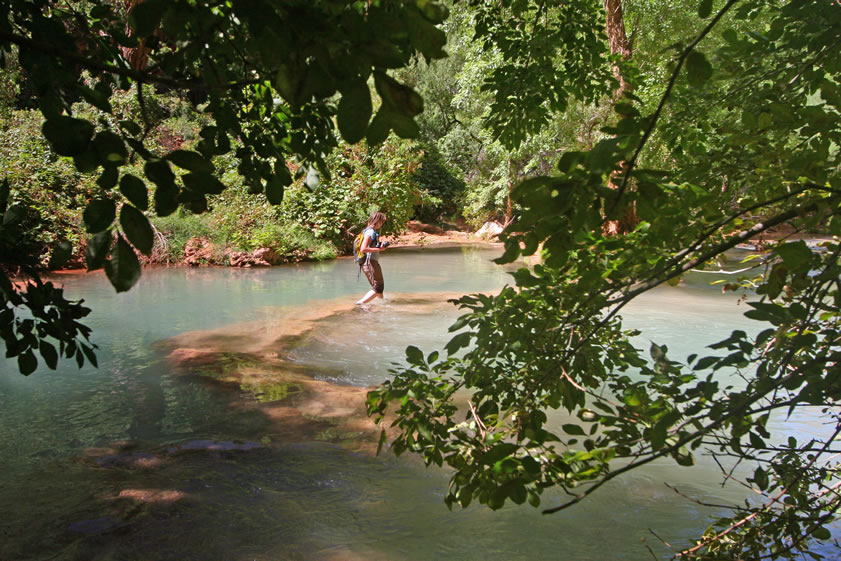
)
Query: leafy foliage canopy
[{"x": 748, "y": 117}]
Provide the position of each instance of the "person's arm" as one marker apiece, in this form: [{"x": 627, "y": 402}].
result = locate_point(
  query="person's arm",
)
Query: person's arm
[{"x": 366, "y": 246}]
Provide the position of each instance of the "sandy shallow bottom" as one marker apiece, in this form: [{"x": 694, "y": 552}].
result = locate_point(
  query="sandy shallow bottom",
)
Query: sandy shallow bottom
[
  {"x": 299, "y": 399},
  {"x": 290, "y": 422}
]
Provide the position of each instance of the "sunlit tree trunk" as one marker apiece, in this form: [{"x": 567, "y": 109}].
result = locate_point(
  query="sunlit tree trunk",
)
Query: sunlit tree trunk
[
  {"x": 509, "y": 208},
  {"x": 619, "y": 45},
  {"x": 138, "y": 56},
  {"x": 618, "y": 41}
]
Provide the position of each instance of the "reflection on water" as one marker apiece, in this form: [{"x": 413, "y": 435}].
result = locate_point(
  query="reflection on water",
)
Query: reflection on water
[{"x": 225, "y": 422}]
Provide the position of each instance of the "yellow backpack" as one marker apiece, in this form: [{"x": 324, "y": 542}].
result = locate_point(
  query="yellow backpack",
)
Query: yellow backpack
[{"x": 359, "y": 257}]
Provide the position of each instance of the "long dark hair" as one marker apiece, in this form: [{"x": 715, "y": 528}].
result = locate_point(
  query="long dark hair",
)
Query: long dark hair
[{"x": 376, "y": 218}]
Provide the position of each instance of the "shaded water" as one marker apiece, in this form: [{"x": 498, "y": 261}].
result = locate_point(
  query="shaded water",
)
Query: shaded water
[{"x": 224, "y": 423}]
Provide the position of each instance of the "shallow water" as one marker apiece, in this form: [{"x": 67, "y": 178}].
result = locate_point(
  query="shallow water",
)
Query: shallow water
[{"x": 246, "y": 445}]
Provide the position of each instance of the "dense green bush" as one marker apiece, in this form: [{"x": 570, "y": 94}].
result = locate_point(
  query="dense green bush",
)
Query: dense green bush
[
  {"x": 47, "y": 185},
  {"x": 364, "y": 180},
  {"x": 9, "y": 80},
  {"x": 444, "y": 190}
]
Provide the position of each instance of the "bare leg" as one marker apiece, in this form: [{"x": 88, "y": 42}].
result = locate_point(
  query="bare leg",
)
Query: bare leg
[
  {"x": 374, "y": 274},
  {"x": 370, "y": 296}
]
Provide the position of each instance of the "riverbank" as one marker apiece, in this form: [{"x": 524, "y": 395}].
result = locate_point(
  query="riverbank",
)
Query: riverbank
[{"x": 201, "y": 252}]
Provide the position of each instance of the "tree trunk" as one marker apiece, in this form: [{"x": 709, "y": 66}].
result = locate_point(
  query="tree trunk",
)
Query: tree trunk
[
  {"x": 513, "y": 177},
  {"x": 619, "y": 45},
  {"x": 618, "y": 41},
  {"x": 137, "y": 57}
]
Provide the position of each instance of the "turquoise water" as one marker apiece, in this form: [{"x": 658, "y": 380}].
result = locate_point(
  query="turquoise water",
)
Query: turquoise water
[{"x": 140, "y": 460}]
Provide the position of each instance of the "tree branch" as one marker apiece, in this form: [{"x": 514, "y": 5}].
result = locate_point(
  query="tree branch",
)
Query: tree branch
[{"x": 103, "y": 67}]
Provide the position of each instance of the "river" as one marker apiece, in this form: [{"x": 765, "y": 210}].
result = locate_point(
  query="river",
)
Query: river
[{"x": 223, "y": 423}]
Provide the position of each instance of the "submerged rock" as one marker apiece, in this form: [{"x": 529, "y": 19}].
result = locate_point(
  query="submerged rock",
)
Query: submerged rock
[
  {"x": 93, "y": 526},
  {"x": 165, "y": 496},
  {"x": 302, "y": 402},
  {"x": 212, "y": 446},
  {"x": 130, "y": 460}
]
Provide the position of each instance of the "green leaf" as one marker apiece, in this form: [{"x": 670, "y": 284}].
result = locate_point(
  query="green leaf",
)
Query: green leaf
[
  {"x": 821, "y": 533},
  {"x": 402, "y": 99},
  {"x": 698, "y": 69},
  {"x": 191, "y": 161},
  {"x": 123, "y": 269},
  {"x": 131, "y": 127},
  {"x": 633, "y": 397},
  {"x": 110, "y": 148},
  {"x": 166, "y": 200},
  {"x": 61, "y": 254},
  {"x": 705, "y": 363},
  {"x": 193, "y": 201},
  {"x": 459, "y": 341},
  {"x": 760, "y": 477},
  {"x": 465, "y": 497},
  {"x": 276, "y": 185},
  {"x": 569, "y": 160},
  {"x": 137, "y": 229},
  {"x": 68, "y": 136},
  {"x": 684, "y": 457},
  {"x": 86, "y": 161},
  {"x": 425, "y": 37},
  {"x": 203, "y": 182},
  {"x": 531, "y": 465},
  {"x": 27, "y": 363},
  {"x": 4, "y": 195},
  {"x": 88, "y": 351},
  {"x": 146, "y": 17},
  {"x": 436, "y": 12},
  {"x": 764, "y": 311},
  {"x": 499, "y": 452},
  {"x": 13, "y": 215},
  {"x": 573, "y": 429},
  {"x": 99, "y": 215},
  {"x": 166, "y": 195},
  {"x": 795, "y": 254},
  {"x": 108, "y": 177},
  {"x": 402, "y": 125},
  {"x": 414, "y": 356},
  {"x": 534, "y": 499},
  {"x": 286, "y": 81},
  {"x": 354, "y": 111},
  {"x": 135, "y": 191},
  {"x": 49, "y": 354},
  {"x": 383, "y": 54},
  {"x": 96, "y": 97},
  {"x": 378, "y": 129},
  {"x": 275, "y": 190},
  {"x": 658, "y": 352},
  {"x": 705, "y": 8},
  {"x": 159, "y": 172},
  {"x": 97, "y": 251},
  {"x": 517, "y": 492},
  {"x": 318, "y": 83},
  {"x": 381, "y": 442}
]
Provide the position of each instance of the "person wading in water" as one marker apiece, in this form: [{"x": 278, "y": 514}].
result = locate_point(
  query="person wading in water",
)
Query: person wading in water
[{"x": 371, "y": 248}]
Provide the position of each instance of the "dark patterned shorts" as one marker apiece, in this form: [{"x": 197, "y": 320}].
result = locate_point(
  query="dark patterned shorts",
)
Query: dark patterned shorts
[{"x": 374, "y": 274}]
